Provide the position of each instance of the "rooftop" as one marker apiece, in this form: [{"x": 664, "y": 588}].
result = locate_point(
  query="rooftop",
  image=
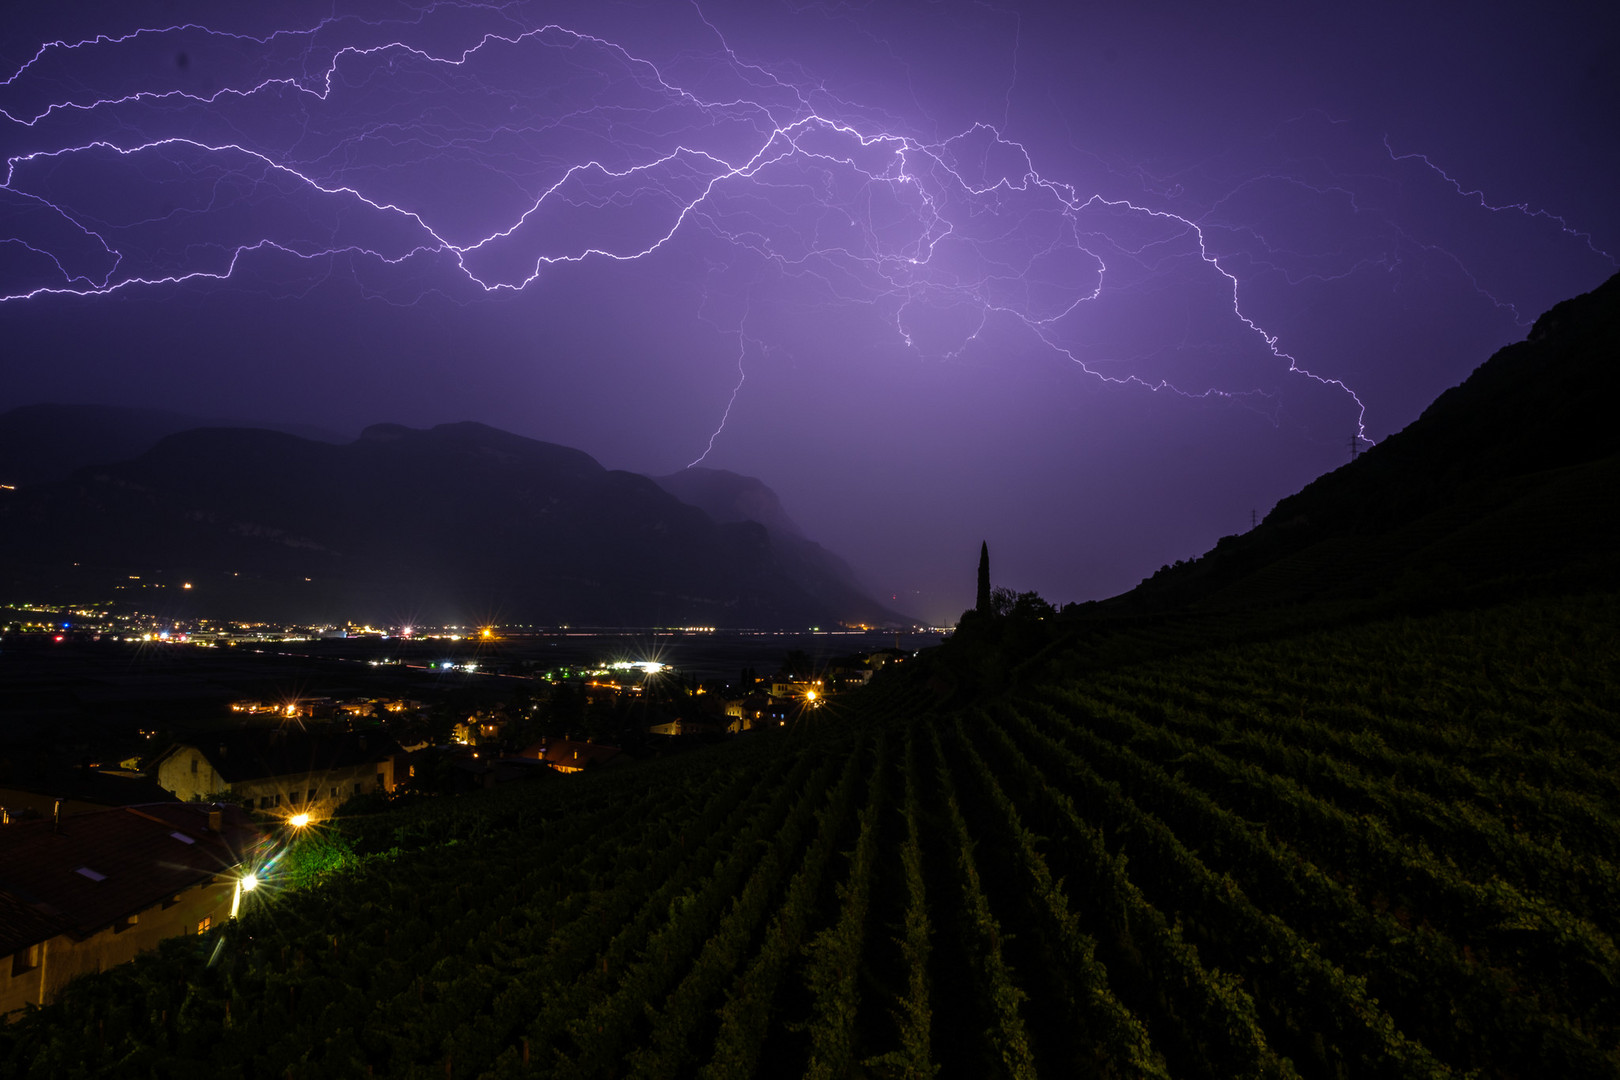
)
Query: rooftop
[{"x": 91, "y": 870}]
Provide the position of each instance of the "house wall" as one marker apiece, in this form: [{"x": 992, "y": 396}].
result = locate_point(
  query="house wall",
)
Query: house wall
[
  {"x": 64, "y": 958},
  {"x": 332, "y": 787},
  {"x": 176, "y": 773},
  {"x": 189, "y": 774}
]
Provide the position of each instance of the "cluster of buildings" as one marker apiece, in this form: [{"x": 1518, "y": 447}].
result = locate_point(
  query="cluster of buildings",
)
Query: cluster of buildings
[{"x": 97, "y": 865}]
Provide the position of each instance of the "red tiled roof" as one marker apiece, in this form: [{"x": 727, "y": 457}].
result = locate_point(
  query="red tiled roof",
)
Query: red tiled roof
[{"x": 94, "y": 869}]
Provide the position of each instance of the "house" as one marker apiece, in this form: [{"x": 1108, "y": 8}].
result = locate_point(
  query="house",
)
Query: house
[
  {"x": 477, "y": 730},
  {"x": 570, "y": 755},
  {"x": 84, "y": 893},
  {"x": 286, "y": 771},
  {"x": 755, "y": 711}
]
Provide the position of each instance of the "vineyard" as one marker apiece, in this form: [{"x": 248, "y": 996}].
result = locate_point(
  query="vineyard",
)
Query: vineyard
[{"x": 1386, "y": 850}]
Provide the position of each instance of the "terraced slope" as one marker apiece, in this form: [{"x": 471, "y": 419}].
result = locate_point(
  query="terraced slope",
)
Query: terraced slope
[{"x": 1388, "y": 850}]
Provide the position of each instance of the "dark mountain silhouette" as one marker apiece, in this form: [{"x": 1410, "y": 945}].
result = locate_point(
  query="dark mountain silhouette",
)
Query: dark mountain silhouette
[
  {"x": 45, "y": 442},
  {"x": 1510, "y": 480},
  {"x": 461, "y": 523},
  {"x": 730, "y": 497}
]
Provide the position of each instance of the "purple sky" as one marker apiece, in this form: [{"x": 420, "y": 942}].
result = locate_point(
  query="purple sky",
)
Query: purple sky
[{"x": 956, "y": 270}]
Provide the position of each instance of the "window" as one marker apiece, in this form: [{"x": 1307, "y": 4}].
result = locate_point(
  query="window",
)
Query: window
[
  {"x": 203, "y": 927},
  {"x": 170, "y": 901},
  {"x": 193, "y": 766},
  {"x": 311, "y": 796},
  {"x": 127, "y": 922},
  {"x": 292, "y": 798},
  {"x": 25, "y": 960},
  {"x": 334, "y": 791},
  {"x": 357, "y": 787}
]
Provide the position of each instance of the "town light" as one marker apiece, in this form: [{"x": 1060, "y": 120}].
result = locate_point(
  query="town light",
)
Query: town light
[
  {"x": 250, "y": 881},
  {"x": 298, "y": 821}
]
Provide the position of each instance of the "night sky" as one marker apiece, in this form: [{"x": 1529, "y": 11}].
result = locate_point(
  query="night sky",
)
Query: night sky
[{"x": 1091, "y": 282}]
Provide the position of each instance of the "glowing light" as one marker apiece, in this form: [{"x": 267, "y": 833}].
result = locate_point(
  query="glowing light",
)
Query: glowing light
[
  {"x": 649, "y": 667},
  {"x": 250, "y": 881},
  {"x": 298, "y": 821}
]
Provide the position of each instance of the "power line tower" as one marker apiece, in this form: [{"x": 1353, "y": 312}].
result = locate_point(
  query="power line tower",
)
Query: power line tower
[
  {"x": 1355, "y": 446},
  {"x": 1254, "y": 518}
]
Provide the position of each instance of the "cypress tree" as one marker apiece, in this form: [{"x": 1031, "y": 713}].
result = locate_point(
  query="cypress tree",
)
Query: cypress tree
[{"x": 983, "y": 604}]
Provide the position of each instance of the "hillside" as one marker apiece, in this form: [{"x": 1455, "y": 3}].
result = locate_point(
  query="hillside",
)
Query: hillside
[
  {"x": 1380, "y": 852},
  {"x": 461, "y": 523},
  {"x": 1506, "y": 481}
]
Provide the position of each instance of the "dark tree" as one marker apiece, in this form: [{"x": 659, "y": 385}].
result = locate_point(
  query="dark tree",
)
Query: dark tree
[{"x": 983, "y": 605}]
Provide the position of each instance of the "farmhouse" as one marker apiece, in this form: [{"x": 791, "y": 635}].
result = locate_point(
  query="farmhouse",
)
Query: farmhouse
[{"x": 286, "y": 771}]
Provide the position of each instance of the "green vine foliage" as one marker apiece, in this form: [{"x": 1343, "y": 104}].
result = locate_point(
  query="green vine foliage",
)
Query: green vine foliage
[{"x": 1388, "y": 849}]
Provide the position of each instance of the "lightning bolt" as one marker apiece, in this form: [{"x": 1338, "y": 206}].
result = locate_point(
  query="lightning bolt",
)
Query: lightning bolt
[
  {"x": 742, "y": 377},
  {"x": 338, "y": 145}
]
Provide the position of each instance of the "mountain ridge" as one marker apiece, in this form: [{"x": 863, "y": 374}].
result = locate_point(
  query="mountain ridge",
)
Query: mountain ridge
[
  {"x": 456, "y": 523},
  {"x": 1510, "y": 475}
]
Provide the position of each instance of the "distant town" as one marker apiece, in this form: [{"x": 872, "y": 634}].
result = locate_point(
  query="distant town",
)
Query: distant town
[{"x": 358, "y": 709}]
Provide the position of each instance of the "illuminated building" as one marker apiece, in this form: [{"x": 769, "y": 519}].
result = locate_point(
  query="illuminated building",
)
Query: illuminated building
[
  {"x": 84, "y": 893},
  {"x": 571, "y": 755},
  {"x": 284, "y": 771}
]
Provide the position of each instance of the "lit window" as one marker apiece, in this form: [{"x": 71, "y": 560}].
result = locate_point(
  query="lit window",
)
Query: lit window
[{"x": 207, "y": 922}]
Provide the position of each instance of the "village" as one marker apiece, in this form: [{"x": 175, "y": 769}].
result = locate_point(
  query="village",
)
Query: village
[{"x": 106, "y": 858}]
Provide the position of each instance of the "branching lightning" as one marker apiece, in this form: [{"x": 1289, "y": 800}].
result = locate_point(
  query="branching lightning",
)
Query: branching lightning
[{"x": 480, "y": 168}]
